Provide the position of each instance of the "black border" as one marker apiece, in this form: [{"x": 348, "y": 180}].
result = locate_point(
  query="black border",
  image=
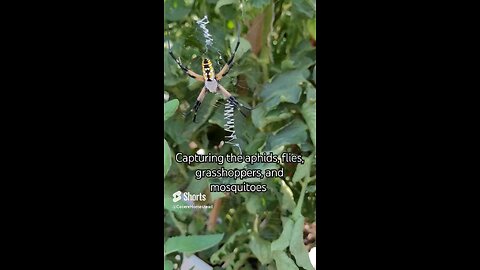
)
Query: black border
[{"x": 93, "y": 103}]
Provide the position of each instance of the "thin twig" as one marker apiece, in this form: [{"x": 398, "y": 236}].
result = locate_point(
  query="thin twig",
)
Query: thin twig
[{"x": 212, "y": 219}]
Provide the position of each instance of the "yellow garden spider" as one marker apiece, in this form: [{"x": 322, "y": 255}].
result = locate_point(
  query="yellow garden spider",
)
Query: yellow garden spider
[{"x": 211, "y": 80}]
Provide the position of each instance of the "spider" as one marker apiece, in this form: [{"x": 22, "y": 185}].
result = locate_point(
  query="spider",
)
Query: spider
[{"x": 211, "y": 80}]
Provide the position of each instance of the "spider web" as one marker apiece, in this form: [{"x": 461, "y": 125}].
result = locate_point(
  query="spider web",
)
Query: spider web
[{"x": 197, "y": 39}]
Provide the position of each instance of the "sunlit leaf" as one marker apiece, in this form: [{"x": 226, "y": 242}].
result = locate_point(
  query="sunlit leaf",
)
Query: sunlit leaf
[
  {"x": 191, "y": 243},
  {"x": 222, "y": 3},
  {"x": 242, "y": 48},
  {"x": 167, "y": 265},
  {"x": 297, "y": 248},
  {"x": 167, "y": 158},
  {"x": 284, "y": 88},
  {"x": 309, "y": 112},
  {"x": 284, "y": 240},
  {"x": 293, "y": 133},
  {"x": 169, "y": 108},
  {"x": 283, "y": 262},
  {"x": 303, "y": 170},
  {"x": 261, "y": 249},
  {"x": 312, "y": 28},
  {"x": 261, "y": 117},
  {"x": 304, "y": 8}
]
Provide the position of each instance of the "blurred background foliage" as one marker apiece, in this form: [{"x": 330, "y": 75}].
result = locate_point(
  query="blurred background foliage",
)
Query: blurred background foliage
[{"x": 275, "y": 73}]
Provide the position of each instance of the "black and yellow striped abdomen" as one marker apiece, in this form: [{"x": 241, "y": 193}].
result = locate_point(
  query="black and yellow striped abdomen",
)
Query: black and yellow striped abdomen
[{"x": 207, "y": 69}]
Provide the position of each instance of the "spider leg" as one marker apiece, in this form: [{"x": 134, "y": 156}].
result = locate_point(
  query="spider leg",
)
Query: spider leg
[
  {"x": 224, "y": 71},
  {"x": 185, "y": 69},
  {"x": 199, "y": 101},
  {"x": 232, "y": 99}
]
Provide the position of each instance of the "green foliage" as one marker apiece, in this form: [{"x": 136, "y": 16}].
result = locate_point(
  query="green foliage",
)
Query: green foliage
[
  {"x": 191, "y": 244},
  {"x": 168, "y": 110},
  {"x": 275, "y": 73},
  {"x": 296, "y": 245}
]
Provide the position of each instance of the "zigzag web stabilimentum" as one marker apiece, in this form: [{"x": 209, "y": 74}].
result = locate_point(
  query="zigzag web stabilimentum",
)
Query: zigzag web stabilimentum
[{"x": 230, "y": 106}]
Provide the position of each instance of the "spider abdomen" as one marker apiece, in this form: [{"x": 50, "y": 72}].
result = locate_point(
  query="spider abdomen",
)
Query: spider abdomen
[
  {"x": 207, "y": 69},
  {"x": 209, "y": 75}
]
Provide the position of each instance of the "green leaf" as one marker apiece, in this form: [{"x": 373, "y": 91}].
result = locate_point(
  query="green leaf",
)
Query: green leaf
[
  {"x": 261, "y": 118},
  {"x": 216, "y": 195},
  {"x": 227, "y": 247},
  {"x": 287, "y": 64},
  {"x": 284, "y": 88},
  {"x": 192, "y": 243},
  {"x": 242, "y": 48},
  {"x": 283, "y": 262},
  {"x": 312, "y": 28},
  {"x": 254, "y": 204},
  {"x": 309, "y": 112},
  {"x": 297, "y": 248},
  {"x": 257, "y": 142},
  {"x": 167, "y": 158},
  {"x": 261, "y": 249},
  {"x": 259, "y": 3},
  {"x": 302, "y": 171},
  {"x": 167, "y": 265},
  {"x": 293, "y": 133},
  {"x": 222, "y": 3},
  {"x": 314, "y": 74},
  {"x": 170, "y": 108},
  {"x": 288, "y": 203},
  {"x": 176, "y": 10},
  {"x": 303, "y": 8},
  {"x": 284, "y": 240},
  {"x": 311, "y": 94}
]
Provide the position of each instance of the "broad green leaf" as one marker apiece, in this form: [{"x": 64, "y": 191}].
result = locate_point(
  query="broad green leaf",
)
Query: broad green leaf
[
  {"x": 216, "y": 195},
  {"x": 254, "y": 204},
  {"x": 257, "y": 142},
  {"x": 261, "y": 118},
  {"x": 293, "y": 133},
  {"x": 314, "y": 75},
  {"x": 167, "y": 158},
  {"x": 176, "y": 10},
  {"x": 287, "y": 64},
  {"x": 167, "y": 265},
  {"x": 297, "y": 248},
  {"x": 170, "y": 108},
  {"x": 283, "y": 262},
  {"x": 261, "y": 249},
  {"x": 309, "y": 112},
  {"x": 196, "y": 187},
  {"x": 302, "y": 171},
  {"x": 284, "y": 88},
  {"x": 311, "y": 94},
  {"x": 192, "y": 243},
  {"x": 260, "y": 3},
  {"x": 303, "y": 8},
  {"x": 222, "y": 3},
  {"x": 242, "y": 48},
  {"x": 312, "y": 28},
  {"x": 284, "y": 240}
]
